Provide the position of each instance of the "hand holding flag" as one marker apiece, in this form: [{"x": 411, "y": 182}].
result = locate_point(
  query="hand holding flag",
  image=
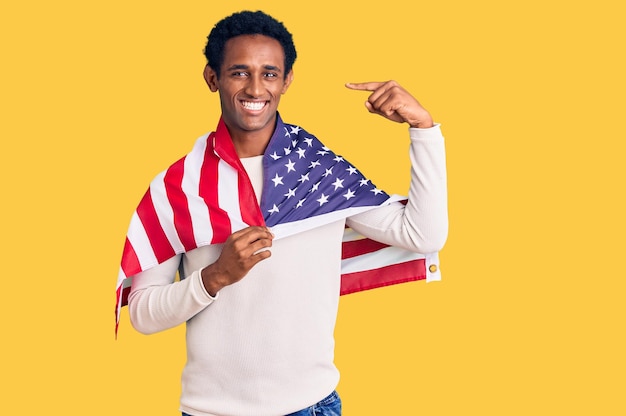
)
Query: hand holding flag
[
  {"x": 241, "y": 252},
  {"x": 393, "y": 102}
]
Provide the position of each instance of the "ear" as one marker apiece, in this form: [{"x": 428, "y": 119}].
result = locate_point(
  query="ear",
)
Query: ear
[
  {"x": 211, "y": 78},
  {"x": 288, "y": 80}
]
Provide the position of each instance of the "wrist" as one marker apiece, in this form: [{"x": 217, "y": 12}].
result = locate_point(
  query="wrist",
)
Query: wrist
[
  {"x": 210, "y": 280},
  {"x": 423, "y": 124}
]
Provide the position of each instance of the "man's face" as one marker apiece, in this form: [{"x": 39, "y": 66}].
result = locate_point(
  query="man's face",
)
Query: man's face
[{"x": 251, "y": 81}]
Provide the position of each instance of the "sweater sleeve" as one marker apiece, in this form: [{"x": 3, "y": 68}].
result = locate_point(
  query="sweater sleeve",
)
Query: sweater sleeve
[
  {"x": 422, "y": 224},
  {"x": 158, "y": 302}
]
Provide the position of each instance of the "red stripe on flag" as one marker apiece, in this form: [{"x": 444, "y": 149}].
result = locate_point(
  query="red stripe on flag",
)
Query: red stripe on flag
[
  {"x": 121, "y": 295},
  {"x": 161, "y": 246},
  {"x": 178, "y": 200},
  {"x": 130, "y": 261},
  {"x": 223, "y": 146},
  {"x": 208, "y": 190},
  {"x": 250, "y": 210},
  {"x": 118, "y": 305},
  {"x": 383, "y": 276},
  {"x": 358, "y": 247},
  {"x": 125, "y": 292}
]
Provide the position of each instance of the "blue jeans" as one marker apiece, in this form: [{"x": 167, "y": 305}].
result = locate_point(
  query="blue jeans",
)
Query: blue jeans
[{"x": 330, "y": 406}]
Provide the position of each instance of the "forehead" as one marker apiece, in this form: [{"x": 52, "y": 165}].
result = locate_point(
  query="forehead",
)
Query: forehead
[{"x": 253, "y": 49}]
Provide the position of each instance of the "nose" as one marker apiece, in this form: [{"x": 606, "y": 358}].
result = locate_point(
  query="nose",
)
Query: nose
[{"x": 254, "y": 87}]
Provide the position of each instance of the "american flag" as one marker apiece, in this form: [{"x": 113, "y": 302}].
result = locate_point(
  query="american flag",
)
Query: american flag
[{"x": 206, "y": 196}]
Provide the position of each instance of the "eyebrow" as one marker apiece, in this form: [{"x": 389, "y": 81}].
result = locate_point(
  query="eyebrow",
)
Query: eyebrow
[{"x": 242, "y": 66}]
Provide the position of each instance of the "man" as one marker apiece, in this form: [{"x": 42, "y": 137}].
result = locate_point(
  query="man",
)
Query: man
[{"x": 260, "y": 303}]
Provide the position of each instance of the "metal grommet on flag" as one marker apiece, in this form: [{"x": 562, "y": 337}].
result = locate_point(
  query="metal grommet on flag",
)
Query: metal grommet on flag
[{"x": 432, "y": 265}]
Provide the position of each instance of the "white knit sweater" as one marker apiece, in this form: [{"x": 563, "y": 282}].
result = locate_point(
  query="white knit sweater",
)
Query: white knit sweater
[{"x": 264, "y": 345}]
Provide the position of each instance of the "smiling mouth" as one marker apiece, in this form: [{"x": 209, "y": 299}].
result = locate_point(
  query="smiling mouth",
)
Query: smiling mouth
[{"x": 253, "y": 105}]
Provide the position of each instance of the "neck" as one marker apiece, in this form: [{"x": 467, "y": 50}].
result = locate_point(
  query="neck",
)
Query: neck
[{"x": 249, "y": 144}]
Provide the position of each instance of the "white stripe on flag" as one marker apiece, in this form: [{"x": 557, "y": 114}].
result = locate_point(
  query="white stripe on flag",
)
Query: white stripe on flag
[
  {"x": 433, "y": 271},
  {"x": 290, "y": 228},
  {"x": 199, "y": 212},
  {"x": 350, "y": 235},
  {"x": 228, "y": 194},
  {"x": 381, "y": 258},
  {"x": 141, "y": 243},
  {"x": 164, "y": 212}
]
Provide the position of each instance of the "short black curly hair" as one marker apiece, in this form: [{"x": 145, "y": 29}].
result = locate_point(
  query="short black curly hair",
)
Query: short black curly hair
[{"x": 247, "y": 23}]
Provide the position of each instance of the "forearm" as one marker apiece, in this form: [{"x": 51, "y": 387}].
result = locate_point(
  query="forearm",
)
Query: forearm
[
  {"x": 157, "y": 303},
  {"x": 422, "y": 224}
]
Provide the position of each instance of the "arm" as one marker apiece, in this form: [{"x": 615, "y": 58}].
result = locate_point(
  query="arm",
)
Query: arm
[
  {"x": 421, "y": 225},
  {"x": 156, "y": 302}
]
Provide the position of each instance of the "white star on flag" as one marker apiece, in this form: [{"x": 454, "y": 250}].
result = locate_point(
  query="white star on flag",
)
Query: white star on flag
[
  {"x": 290, "y": 166},
  {"x": 278, "y": 180},
  {"x": 338, "y": 183},
  {"x": 322, "y": 200}
]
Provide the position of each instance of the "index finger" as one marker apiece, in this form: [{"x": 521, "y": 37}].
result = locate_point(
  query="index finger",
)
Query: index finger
[
  {"x": 364, "y": 86},
  {"x": 253, "y": 233}
]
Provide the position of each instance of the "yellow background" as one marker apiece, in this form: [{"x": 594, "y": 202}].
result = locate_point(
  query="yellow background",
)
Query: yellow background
[{"x": 98, "y": 97}]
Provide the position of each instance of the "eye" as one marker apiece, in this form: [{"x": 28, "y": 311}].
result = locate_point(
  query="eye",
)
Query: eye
[
  {"x": 239, "y": 74},
  {"x": 271, "y": 75}
]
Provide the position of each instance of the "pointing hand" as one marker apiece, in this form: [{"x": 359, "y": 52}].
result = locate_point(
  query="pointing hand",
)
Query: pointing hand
[{"x": 391, "y": 101}]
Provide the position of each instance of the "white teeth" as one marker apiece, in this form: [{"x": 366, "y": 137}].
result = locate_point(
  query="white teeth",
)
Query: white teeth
[{"x": 256, "y": 105}]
